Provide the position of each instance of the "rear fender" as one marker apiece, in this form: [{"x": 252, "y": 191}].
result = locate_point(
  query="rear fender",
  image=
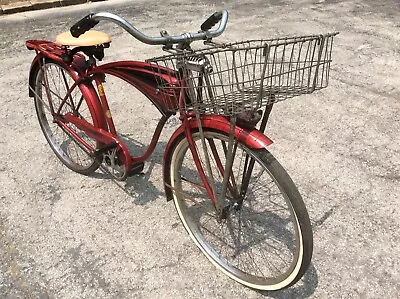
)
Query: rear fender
[
  {"x": 50, "y": 52},
  {"x": 254, "y": 139}
]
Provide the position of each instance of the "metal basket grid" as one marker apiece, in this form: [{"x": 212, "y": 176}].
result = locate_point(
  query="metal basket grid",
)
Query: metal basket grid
[{"x": 230, "y": 78}]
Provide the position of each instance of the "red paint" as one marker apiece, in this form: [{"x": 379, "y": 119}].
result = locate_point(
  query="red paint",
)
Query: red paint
[
  {"x": 254, "y": 139},
  {"x": 100, "y": 135},
  {"x": 188, "y": 131},
  {"x": 146, "y": 77}
]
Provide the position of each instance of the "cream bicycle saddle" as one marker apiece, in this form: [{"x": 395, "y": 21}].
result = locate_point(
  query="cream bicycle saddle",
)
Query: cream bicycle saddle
[{"x": 89, "y": 38}]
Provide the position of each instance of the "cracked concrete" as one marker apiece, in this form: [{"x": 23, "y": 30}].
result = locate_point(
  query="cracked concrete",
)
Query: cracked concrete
[{"x": 63, "y": 235}]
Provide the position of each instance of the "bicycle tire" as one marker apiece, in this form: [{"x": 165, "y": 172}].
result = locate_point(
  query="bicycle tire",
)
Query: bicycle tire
[
  {"x": 277, "y": 228},
  {"x": 67, "y": 148}
]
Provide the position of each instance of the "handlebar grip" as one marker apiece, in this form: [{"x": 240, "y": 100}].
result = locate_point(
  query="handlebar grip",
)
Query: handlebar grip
[
  {"x": 211, "y": 21},
  {"x": 83, "y": 25}
]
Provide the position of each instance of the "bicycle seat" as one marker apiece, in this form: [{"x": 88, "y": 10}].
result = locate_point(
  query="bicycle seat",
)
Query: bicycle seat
[{"x": 89, "y": 38}]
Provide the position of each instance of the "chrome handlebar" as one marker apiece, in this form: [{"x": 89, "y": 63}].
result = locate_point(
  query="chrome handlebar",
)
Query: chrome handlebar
[{"x": 92, "y": 20}]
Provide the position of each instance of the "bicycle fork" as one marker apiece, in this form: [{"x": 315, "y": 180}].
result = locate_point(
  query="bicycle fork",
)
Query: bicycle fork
[
  {"x": 230, "y": 188},
  {"x": 204, "y": 167}
]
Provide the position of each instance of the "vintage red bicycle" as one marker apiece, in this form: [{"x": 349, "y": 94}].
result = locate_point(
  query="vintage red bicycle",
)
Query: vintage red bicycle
[{"x": 236, "y": 201}]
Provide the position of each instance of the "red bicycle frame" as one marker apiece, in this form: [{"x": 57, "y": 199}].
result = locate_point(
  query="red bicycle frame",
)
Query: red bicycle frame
[{"x": 145, "y": 77}]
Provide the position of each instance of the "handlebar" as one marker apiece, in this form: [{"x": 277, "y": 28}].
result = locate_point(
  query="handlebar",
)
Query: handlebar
[
  {"x": 93, "y": 19},
  {"x": 211, "y": 21}
]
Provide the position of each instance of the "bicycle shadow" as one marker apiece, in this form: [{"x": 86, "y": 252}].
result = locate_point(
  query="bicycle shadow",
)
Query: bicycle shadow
[
  {"x": 276, "y": 230},
  {"x": 143, "y": 191},
  {"x": 304, "y": 288}
]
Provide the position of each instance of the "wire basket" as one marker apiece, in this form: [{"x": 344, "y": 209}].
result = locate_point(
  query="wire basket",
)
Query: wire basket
[{"x": 230, "y": 78}]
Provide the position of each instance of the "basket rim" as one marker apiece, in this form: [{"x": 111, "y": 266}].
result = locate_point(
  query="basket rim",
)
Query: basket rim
[{"x": 241, "y": 45}]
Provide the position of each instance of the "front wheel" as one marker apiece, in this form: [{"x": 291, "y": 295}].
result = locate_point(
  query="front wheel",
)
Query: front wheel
[{"x": 264, "y": 239}]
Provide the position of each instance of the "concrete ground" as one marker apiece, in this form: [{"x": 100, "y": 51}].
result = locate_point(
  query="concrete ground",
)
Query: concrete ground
[
  {"x": 63, "y": 235},
  {"x": 17, "y": 6}
]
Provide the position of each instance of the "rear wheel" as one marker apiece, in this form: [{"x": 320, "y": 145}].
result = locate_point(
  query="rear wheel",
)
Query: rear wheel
[
  {"x": 264, "y": 238},
  {"x": 52, "y": 84}
]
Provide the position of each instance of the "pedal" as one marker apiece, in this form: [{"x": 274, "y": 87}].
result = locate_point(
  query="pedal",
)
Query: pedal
[{"x": 136, "y": 169}]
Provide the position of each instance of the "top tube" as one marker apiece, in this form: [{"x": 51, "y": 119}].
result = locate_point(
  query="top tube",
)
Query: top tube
[{"x": 93, "y": 19}]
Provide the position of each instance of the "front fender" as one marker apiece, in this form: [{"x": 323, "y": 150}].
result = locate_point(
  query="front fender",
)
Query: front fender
[{"x": 253, "y": 139}]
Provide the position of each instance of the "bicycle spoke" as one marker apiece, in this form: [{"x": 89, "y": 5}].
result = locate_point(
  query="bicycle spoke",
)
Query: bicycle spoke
[
  {"x": 53, "y": 99},
  {"x": 193, "y": 183},
  {"x": 67, "y": 89},
  {"x": 232, "y": 186}
]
